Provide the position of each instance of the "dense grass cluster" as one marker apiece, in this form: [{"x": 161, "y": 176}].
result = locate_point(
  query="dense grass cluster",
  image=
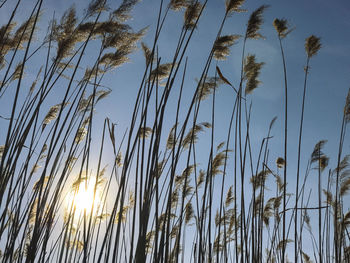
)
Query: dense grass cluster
[{"x": 164, "y": 197}]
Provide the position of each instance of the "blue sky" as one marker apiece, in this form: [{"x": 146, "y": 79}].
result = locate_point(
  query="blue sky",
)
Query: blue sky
[
  {"x": 329, "y": 76},
  {"x": 328, "y": 82}
]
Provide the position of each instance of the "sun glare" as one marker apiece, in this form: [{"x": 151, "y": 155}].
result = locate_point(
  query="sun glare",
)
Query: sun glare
[{"x": 84, "y": 198}]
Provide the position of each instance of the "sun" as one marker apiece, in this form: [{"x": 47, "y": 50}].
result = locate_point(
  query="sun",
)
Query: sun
[{"x": 84, "y": 197}]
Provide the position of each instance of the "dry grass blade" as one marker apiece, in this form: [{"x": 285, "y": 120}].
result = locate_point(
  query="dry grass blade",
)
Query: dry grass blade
[
  {"x": 222, "y": 76},
  {"x": 272, "y": 122}
]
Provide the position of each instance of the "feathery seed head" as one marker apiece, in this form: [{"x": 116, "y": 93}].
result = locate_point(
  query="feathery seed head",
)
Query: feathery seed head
[
  {"x": 306, "y": 257},
  {"x": 281, "y": 26},
  {"x": 68, "y": 21},
  {"x": 323, "y": 162},
  {"x": 96, "y": 6},
  {"x": 114, "y": 60},
  {"x": 318, "y": 149},
  {"x": 177, "y": 5},
  {"x": 200, "y": 178},
  {"x": 192, "y": 13},
  {"x": 221, "y": 46},
  {"x": 234, "y": 6},
  {"x": 145, "y": 132},
  {"x": 254, "y": 23},
  {"x": 23, "y": 33},
  {"x": 81, "y": 133},
  {"x": 347, "y": 108},
  {"x": 251, "y": 72},
  {"x": 280, "y": 162},
  {"x": 119, "y": 159},
  {"x": 207, "y": 87},
  {"x": 259, "y": 179},
  {"x": 122, "y": 13},
  {"x": 52, "y": 114},
  {"x": 229, "y": 196},
  {"x": 161, "y": 72},
  {"x": 189, "y": 213},
  {"x": 17, "y": 73},
  {"x": 318, "y": 156},
  {"x": 2, "y": 148},
  {"x": 147, "y": 53},
  {"x": 312, "y": 45}
]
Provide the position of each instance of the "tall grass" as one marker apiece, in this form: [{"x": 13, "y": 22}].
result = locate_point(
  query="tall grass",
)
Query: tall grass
[{"x": 167, "y": 195}]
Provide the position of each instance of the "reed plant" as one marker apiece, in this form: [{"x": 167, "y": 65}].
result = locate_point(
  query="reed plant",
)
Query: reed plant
[{"x": 166, "y": 188}]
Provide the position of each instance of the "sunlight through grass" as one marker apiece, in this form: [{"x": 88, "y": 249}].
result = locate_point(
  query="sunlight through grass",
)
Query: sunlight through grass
[{"x": 85, "y": 197}]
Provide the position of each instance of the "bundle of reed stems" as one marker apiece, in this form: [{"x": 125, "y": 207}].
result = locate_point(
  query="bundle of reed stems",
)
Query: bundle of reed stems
[{"x": 165, "y": 196}]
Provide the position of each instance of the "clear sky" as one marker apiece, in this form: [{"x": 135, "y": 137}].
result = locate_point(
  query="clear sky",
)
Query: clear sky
[
  {"x": 328, "y": 83},
  {"x": 328, "y": 80}
]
